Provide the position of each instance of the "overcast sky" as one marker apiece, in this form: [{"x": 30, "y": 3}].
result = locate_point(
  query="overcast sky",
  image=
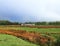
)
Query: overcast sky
[{"x": 30, "y": 10}]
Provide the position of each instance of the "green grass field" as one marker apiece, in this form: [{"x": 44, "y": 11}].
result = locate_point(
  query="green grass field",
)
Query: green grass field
[
  {"x": 8, "y": 40},
  {"x": 40, "y": 30}
]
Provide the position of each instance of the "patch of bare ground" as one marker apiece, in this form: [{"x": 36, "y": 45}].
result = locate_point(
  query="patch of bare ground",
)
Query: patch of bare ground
[{"x": 52, "y": 26}]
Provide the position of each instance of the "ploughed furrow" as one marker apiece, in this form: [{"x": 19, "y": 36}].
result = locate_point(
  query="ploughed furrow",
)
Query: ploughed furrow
[
  {"x": 52, "y": 26},
  {"x": 30, "y": 36}
]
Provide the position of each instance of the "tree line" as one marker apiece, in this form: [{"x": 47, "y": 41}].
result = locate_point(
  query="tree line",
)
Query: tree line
[
  {"x": 44, "y": 23},
  {"x": 6, "y": 22}
]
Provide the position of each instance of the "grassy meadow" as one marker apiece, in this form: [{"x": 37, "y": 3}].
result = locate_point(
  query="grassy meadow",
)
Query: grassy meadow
[
  {"x": 9, "y": 40},
  {"x": 39, "y": 30}
]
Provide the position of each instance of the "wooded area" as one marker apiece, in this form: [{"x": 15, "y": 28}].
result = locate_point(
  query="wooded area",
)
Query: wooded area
[{"x": 6, "y": 22}]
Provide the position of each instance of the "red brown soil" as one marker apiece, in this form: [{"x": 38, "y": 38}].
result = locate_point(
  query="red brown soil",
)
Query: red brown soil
[
  {"x": 36, "y": 26},
  {"x": 30, "y": 36},
  {"x": 44, "y": 26}
]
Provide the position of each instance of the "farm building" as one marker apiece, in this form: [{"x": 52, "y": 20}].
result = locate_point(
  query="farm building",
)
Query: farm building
[{"x": 27, "y": 24}]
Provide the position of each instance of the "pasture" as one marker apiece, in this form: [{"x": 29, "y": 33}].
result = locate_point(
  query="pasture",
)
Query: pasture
[
  {"x": 39, "y": 30},
  {"x": 9, "y": 40}
]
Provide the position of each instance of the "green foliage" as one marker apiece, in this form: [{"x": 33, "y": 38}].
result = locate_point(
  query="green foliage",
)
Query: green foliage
[
  {"x": 3, "y": 22},
  {"x": 54, "y": 23},
  {"x": 41, "y": 23},
  {"x": 6, "y": 22}
]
